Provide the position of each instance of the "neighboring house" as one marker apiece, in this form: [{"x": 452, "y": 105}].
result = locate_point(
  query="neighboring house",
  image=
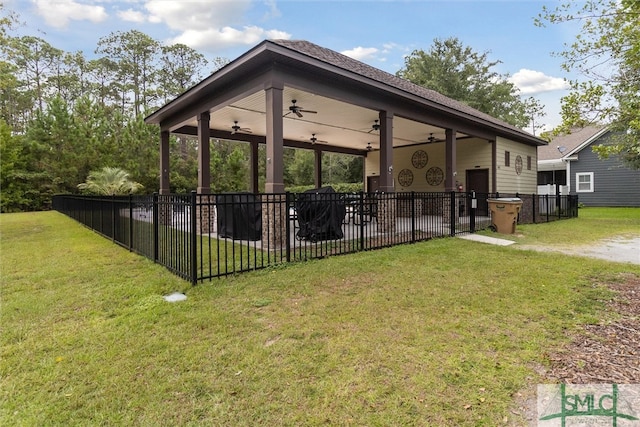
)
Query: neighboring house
[{"x": 569, "y": 163}]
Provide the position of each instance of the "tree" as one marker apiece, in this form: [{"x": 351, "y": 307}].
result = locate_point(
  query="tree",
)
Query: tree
[
  {"x": 300, "y": 168},
  {"x": 534, "y": 111},
  {"x": 460, "y": 73},
  {"x": 36, "y": 60},
  {"x": 136, "y": 54},
  {"x": 607, "y": 53},
  {"x": 180, "y": 70},
  {"x": 109, "y": 182}
]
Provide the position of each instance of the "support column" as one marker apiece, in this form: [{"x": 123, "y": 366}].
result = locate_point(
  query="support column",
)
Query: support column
[
  {"x": 386, "y": 152},
  {"x": 450, "y": 177},
  {"x": 254, "y": 169},
  {"x": 164, "y": 162},
  {"x": 450, "y": 161},
  {"x": 204, "y": 154},
  {"x": 275, "y": 136},
  {"x": 317, "y": 170},
  {"x": 387, "y": 201},
  {"x": 274, "y": 206},
  {"x": 204, "y": 201}
]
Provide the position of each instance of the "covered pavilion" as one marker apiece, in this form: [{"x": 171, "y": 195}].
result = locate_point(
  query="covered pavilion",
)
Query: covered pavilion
[{"x": 295, "y": 94}]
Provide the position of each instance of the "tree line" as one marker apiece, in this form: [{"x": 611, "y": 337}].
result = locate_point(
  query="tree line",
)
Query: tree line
[{"x": 63, "y": 115}]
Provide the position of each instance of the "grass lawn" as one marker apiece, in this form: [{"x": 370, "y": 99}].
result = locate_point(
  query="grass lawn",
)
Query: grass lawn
[{"x": 443, "y": 332}]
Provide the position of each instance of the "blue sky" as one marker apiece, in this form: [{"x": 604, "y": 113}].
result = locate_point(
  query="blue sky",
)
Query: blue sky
[{"x": 380, "y": 32}]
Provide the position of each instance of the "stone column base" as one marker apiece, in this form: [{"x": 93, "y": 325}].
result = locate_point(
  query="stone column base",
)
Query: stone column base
[
  {"x": 386, "y": 214},
  {"x": 206, "y": 214},
  {"x": 274, "y": 227}
]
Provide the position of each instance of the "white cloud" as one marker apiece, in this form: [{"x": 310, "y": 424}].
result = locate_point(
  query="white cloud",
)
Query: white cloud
[
  {"x": 361, "y": 53},
  {"x": 210, "y": 24},
  {"x": 131, "y": 15},
  {"x": 530, "y": 82},
  {"x": 58, "y": 13},
  {"x": 218, "y": 38},
  {"x": 273, "y": 12}
]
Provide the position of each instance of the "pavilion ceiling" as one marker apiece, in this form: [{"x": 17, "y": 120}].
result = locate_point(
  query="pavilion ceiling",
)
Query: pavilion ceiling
[{"x": 337, "y": 124}]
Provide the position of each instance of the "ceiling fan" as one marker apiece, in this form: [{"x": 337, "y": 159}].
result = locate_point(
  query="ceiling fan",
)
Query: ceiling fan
[
  {"x": 375, "y": 127},
  {"x": 298, "y": 110},
  {"x": 369, "y": 147},
  {"x": 313, "y": 139},
  {"x": 237, "y": 129},
  {"x": 432, "y": 139}
]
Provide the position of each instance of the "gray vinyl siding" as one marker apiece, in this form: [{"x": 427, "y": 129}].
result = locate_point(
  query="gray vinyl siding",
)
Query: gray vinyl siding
[{"x": 613, "y": 184}]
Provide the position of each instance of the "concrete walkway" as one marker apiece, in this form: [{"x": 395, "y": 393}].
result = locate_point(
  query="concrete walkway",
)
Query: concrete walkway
[{"x": 486, "y": 239}]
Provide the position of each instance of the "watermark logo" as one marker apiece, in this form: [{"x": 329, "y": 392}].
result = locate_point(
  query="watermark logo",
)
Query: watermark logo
[{"x": 573, "y": 405}]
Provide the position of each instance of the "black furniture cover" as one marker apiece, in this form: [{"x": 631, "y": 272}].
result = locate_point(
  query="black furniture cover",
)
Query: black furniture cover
[
  {"x": 239, "y": 216},
  {"x": 320, "y": 214}
]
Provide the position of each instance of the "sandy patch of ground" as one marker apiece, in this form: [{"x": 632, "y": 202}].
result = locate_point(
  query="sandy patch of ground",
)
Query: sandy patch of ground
[{"x": 617, "y": 249}]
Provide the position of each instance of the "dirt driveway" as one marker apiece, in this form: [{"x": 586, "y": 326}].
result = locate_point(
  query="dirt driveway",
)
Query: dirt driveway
[{"x": 617, "y": 249}]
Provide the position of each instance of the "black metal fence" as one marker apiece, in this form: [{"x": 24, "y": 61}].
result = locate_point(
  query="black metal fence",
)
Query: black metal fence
[{"x": 202, "y": 236}]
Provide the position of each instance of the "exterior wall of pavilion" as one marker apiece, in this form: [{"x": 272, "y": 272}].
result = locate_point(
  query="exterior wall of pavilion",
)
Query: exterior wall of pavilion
[
  {"x": 507, "y": 180},
  {"x": 471, "y": 153}
]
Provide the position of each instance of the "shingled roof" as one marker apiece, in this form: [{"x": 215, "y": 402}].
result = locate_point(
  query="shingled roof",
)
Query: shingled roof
[
  {"x": 570, "y": 142},
  {"x": 349, "y": 64}
]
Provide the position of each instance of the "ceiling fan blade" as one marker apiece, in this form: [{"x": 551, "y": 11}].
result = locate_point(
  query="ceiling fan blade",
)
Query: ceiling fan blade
[
  {"x": 308, "y": 111},
  {"x": 298, "y": 113}
]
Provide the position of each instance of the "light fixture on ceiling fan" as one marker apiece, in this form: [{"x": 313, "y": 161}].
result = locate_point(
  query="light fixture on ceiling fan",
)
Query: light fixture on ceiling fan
[
  {"x": 237, "y": 129},
  {"x": 432, "y": 139},
  {"x": 313, "y": 139},
  {"x": 298, "y": 110}
]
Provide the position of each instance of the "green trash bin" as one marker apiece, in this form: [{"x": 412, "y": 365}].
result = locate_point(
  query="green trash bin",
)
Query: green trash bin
[{"x": 504, "y": 213}]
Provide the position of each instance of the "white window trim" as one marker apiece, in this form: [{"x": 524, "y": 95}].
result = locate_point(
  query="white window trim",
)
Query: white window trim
[{"x": 591, "y": 186}]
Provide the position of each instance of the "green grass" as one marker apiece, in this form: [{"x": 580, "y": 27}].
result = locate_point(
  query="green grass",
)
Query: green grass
[{"x": 443, "y": 332}]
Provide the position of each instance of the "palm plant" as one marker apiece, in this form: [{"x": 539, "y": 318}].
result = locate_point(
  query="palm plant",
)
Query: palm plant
[{"x": 109, "y": 182}]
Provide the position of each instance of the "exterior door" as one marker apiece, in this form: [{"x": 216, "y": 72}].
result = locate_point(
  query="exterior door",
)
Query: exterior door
[
  {"x": 478, "y": 181},
  {"x": 373, "y": 184}
]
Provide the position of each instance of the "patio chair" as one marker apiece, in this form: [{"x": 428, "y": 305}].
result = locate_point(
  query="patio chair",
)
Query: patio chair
[{"x": 367, "y": 211}]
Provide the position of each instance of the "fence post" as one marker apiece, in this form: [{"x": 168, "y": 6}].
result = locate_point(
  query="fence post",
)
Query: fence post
[
  {"x": 288, "y": 201},
  {"x": 194, "y": 239},
  {"x": 360, "y": 213},
  {"x": 452, "y": 213},
  {"x": 130, "y": 222},
  {"x": 413, "y": 217},
  {"x": 533, "y": 206},
  {"x": 546, "y": 201},
  {"x": 472, "y": 211},
  {"x": 113, "y": 218},
  {"x": 155, "y": 226}
]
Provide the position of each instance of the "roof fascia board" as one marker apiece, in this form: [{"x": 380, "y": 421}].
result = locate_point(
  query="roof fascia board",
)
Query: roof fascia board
[{"x": 586, "y": 143}]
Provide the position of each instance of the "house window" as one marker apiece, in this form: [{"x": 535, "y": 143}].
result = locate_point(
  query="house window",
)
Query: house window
[
  {"x": 507, "y": 158},
  {"x": 584, "y": 182},
  {"x": 528, "y": 163}
]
